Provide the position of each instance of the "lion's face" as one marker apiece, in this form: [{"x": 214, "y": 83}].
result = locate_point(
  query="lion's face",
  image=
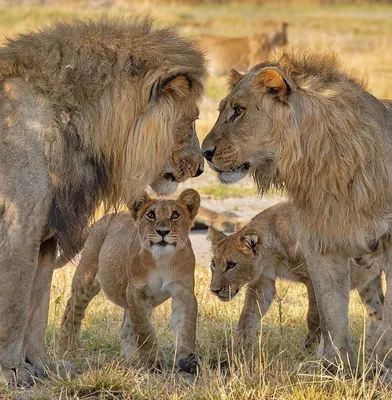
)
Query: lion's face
[
  {"x": 244, "y": 139},
  {"x": 234, "y": 262},
  {"x": 164, "y": 224},
  {"x": 186, "y": 160}
]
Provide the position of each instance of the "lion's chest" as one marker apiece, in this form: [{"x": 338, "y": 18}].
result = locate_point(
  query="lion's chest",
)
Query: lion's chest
[{"x": 158, "y": 280}]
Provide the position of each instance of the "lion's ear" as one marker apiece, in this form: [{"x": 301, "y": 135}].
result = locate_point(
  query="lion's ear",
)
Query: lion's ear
[
  {"x": 214, "y": 235},
  {"x": 175, "y": 87},
  {"x": 250, "y": 239},
  {"x": 191, "y": 199},
  {"x": 272, "y": 82},
  {"x": 141, "y": 202},
  {"x": 234, "y": 78}
]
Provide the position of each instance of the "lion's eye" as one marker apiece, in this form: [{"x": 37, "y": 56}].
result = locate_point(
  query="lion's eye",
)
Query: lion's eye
[
  {"x": 230, "y": 266},
  {"x": 212, "y": 265},
  {"x": 150, "y": 215},
  {"x": 237, "y": 111},
  {"x": 175, "y": 216}
]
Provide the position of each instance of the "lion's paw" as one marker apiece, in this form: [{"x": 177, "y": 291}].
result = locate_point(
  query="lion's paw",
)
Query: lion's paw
[
  {"x": 18, "y": 376},
  {"x": 188, "y": 363}
]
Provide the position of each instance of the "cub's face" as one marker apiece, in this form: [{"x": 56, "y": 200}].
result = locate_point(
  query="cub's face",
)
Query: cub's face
[
  {"x": 164, "y": 224},
  {"x": 233, "y": 263}
]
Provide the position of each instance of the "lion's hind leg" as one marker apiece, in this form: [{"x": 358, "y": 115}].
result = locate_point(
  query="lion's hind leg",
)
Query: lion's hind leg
[{"x": 85, "y": 286}]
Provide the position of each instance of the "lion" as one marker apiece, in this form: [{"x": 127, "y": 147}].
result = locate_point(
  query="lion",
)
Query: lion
[
  {"x": 279, "y": 38},
  {"x": 140, "y": 259},
  {"x": 226, "y": 53},
  {"x": 88, "y": 112},
  {"x": 304, "y": 124},
  {"x": 266, "y": 249},
  {"x": 223, "y": 221}
]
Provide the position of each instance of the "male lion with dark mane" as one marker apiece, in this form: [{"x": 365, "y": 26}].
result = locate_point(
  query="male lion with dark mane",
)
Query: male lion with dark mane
[
  {"x": 304, "y": 124},
  {"x": 90, "y": 112}
]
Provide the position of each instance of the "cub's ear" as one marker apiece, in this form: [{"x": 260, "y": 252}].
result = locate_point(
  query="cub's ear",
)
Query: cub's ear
[
  {"x": 143, "y": 200},
  {"x": 176, "y": 87},
  {"x": 234, "y": 78},
  {"x": 250, "y": 239},
  {"x": 272, "y": 82},
  {"x": 214, "y": 235},
  {"x": 191, "y": 199}
]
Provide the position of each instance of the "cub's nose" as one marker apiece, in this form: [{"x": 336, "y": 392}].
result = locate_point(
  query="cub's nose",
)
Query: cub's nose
[
  {"x": 209, "y": 153},
  {"x": 215, "y": 291},
  {"x": 199, "y": 171},
  {"x": 163, "y": 232}
]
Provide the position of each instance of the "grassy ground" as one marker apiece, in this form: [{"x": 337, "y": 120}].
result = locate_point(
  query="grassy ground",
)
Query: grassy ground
[{"x": 362, "y": 37}]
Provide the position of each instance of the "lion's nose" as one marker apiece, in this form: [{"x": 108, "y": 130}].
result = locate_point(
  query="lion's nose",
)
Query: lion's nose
[
  {"x": 163, "y": 232},
  {"x": 199, "y": 171},
  {"x": 209, "y": 153}
]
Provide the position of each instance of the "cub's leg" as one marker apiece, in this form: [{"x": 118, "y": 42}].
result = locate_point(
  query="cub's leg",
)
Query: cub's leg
[
  {"x": 370, "y": 297},
  {"x": 330, "y": 274},
  {"x": 128, "y": 347},
  {"x": 84, "y": 287},
  {"x": 312, "y": 318},
  {"x": 183, "y": 322},
  {"x": 258, "y": 300},
  {"x": 143, "y": 332}
]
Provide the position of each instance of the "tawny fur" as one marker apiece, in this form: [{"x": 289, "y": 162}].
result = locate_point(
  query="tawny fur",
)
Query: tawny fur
[
  {"x": 303, "y": 123},
  {"x": 266, "y": 249},
  {"x": 108, "y": 139},
  {"x": 226, "y": 53},
  {"x": 124, "y": 256},
  {"x": 90, "y": 112}
]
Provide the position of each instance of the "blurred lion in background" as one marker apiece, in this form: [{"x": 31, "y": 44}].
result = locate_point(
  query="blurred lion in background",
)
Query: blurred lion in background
[
  {"x": 88, "y": 112},
  {"x": 240, "y": 53}
]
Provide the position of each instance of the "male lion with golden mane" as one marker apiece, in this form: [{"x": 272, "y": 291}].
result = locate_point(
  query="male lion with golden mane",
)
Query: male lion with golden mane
[
  {"x": 90, "y": 112},
  {"x": 304, "y": 124},
  {"x": 140, "y": 260}
]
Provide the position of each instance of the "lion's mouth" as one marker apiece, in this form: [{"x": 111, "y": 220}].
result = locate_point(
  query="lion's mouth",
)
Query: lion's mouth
[
  {"x": 233, "y": 175},
  {"x": 239, "y": 168},
  {"x": 162, "y": 243},
  {"x": 226, "y": 295},
  {"x": 170, "y": 177}
]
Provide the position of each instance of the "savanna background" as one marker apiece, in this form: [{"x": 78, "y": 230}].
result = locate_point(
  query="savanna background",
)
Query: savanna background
[{"x": 361, "y": 33}]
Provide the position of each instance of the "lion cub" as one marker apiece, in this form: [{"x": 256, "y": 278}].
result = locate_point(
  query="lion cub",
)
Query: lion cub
[
  {"x": 140, "y": 259},
  {"x": 266, "y": 249}
]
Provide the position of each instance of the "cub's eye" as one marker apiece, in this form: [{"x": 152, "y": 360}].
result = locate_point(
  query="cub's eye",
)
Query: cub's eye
[
  {"x": 175, "y": 216},
  {"x": 230, "y": 266},
  {"x": 150, "y": 215},
  {"x": 212, "y": 265}
]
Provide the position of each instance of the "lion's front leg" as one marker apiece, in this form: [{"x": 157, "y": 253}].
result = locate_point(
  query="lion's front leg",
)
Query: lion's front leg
[
  {"x": 35, "y": 351},
  {"x": 330, "y": 274},
  {"x": 258, "y": 300},
  {"x": 183, "y": 322},
  {"x": 20, "y": 244},
  {"x": 383, "y": 337}
]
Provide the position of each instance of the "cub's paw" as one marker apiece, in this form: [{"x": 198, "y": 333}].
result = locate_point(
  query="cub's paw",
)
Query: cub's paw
[{"x": 188, "y": 363}]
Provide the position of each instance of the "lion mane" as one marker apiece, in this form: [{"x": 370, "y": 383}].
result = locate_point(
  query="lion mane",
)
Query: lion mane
[
  {"x": 345, "y": 179},
  {"x": 112, "y": 110}
]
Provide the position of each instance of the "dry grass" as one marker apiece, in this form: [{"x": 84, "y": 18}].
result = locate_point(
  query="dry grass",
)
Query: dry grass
[{"x": 362, "y": 36}]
